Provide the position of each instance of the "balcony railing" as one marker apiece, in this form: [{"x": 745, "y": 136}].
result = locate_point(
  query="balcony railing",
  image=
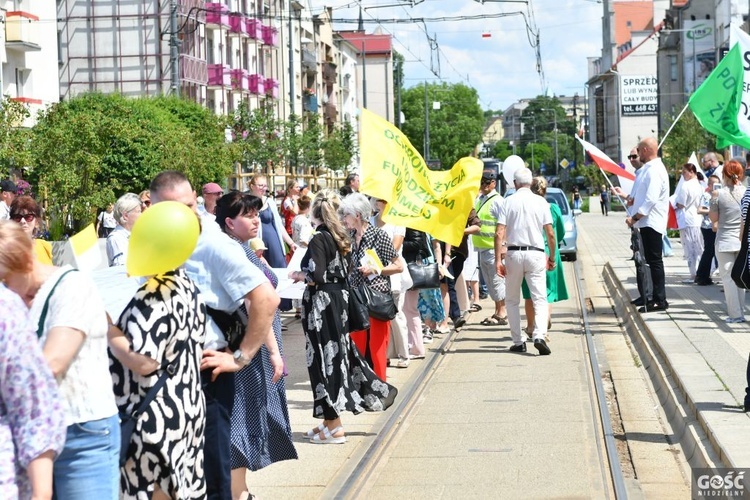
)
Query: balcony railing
[
  {"x": 272, "y": 88},
  {"x": 21, "y": 31},
  {"x": 193, "y": 69},
  {"x": 257, "y": 84},
  {"x": 254, "y": 28},
  {"x": 310, "y": 103},
  {"x": 329, "y": 73},
  {"x": 238, "y": 25},
  {"x": 309, "y": 61},
  {"x": 270, "y": 36},
  {"x": 217, "y": 15},
  {"x": 218, "y": 75},
  {"x": 239, "y": 80}
]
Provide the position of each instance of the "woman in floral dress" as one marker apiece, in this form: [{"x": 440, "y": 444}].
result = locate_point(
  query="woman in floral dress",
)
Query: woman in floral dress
[{"x": 339, "y": 377}]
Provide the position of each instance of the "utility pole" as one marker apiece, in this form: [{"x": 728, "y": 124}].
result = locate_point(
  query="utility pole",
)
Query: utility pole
[
  {"x": 398, "y": 95},
  {"x": 291, "y": 61},
  {"x": 426, "y": 126},
  {"x": 174, "y": 48}
]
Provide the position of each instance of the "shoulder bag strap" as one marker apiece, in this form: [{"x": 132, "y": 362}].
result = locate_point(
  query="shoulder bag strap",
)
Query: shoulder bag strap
[
  {"x": 485, "y": 201},
  {"x": 45, "y": 308},
  {"x": 168, "y": 370}
]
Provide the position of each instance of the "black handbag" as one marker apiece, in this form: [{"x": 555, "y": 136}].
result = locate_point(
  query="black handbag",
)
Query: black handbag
[
  {"x": 381, "y": 304},
  {"x": 740, "y": 271},
  {"x": 232, "y": 325},
  {"x": 424, "y": 275},
  {"x": 359, "y": 314}
]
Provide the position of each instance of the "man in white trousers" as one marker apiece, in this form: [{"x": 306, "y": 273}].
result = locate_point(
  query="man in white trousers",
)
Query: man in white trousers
[{"x": 519, "y": 253}]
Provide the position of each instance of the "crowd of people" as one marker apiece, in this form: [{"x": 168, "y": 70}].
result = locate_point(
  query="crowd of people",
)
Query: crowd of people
[{"x": 195, "y": 362}]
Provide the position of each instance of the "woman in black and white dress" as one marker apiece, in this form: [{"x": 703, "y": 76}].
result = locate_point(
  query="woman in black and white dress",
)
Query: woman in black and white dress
[
  {"x": 339, "y": 377},
  {"x": 163, "y": 323}
]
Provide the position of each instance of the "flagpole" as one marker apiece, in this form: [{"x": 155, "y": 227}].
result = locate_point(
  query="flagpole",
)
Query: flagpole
[
  {"x": 612, "y": 190},
  {"x": 672, "y": 126}
]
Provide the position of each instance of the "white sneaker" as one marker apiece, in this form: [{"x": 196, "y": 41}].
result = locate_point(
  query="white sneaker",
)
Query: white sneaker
[
  {"x": 427, "y": 338},
  {"x": 402, "y": 363}
]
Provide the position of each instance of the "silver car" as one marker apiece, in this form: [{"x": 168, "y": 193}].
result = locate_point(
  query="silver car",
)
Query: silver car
[{"x": 568, "y": 246}]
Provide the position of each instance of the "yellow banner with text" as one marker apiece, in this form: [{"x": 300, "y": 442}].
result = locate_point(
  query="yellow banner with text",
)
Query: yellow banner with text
[{"x": 436, "y": 202}]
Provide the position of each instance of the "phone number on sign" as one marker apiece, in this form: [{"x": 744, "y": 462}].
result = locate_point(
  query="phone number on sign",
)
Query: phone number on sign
[{"x": 640, "y": 109}]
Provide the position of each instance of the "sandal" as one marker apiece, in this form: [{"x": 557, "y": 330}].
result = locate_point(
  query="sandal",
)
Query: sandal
[
  {"x": 475, "y": 307},
  {"x": 328, "y": 437},
  {"x": 313, "y": 432},
  {"x": 298, "y": 315},
  {"x": 494, "y": 320}
]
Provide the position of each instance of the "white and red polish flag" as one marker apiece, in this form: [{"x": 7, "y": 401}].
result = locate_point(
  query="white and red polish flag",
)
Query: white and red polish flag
[{"x": 625, "y": 174}]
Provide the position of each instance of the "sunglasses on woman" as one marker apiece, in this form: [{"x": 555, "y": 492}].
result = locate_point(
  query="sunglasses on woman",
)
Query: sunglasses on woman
[{"x": 26, "y": 217}]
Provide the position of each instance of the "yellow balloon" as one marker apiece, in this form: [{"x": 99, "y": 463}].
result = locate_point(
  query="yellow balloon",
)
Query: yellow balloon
[{"x": 162, "y": 239}]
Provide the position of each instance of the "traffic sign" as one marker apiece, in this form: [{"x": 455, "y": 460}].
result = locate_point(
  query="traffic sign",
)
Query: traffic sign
[{"x": 564, "y": 163}]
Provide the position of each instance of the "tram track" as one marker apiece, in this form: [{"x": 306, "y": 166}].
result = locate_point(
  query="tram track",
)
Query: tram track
[{"x": 357, "y": 479}]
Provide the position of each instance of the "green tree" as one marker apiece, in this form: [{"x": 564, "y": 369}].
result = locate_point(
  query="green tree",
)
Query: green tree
[
  {"x": 258, "y": 136},
  {"x": 455, "y": 129},
  {"x": 338, "y": 147},
  {"x": 91, "y": 149},
  {"x": 15, "y": 150},
  {"x": 686, "y": 137},
  {"x": 539, "y": 119},
  {"x": 312, "y": 142},
  {"x": 502, "y": 149},
  {"x": 536, "y": 153}
]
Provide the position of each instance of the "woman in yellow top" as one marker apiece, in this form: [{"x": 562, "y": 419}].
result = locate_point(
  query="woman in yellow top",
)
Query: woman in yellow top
[{"x": 26, "y": 211}]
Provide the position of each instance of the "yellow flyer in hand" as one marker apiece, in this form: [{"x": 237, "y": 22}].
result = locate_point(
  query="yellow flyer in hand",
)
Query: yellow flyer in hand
[{"x": 371, "y": 260}]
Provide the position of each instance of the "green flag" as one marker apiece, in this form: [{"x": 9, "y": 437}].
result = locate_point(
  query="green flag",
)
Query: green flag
[{"x": 716, "y": 103}]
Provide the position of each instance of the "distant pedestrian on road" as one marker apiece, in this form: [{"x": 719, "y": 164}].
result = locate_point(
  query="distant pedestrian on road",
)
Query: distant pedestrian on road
[
  {"x": 650, "y": 206},
  {"x": 604, "y": 200},
  {"x": 576, "y": 199},
  {"x": 725, "y": 209},
  {"x": 519, "y": 253}
]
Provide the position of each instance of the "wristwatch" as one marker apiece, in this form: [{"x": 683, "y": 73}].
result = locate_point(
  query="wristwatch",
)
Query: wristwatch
[{"x": 240, "y": 358}]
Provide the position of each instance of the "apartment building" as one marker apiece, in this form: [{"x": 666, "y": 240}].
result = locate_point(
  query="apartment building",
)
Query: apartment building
[
  {"x": 28, "y": 54},
  {"x": 224, "y": 52}
]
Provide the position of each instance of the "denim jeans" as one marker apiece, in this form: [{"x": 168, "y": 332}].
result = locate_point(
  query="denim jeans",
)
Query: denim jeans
[
  {"x": 217, "y": 451},
  {"x": 89, "y": 467}
]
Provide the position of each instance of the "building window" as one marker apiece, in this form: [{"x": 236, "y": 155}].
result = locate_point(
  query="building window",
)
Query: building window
[
  {"x": 59, "y": 47},
  {"x": 210, "y": 50},
  {"x": 673, "y": 68}
]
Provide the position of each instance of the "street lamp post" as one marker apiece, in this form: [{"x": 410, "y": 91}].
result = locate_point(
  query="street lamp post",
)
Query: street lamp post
[{"x": 557, "y": 155}]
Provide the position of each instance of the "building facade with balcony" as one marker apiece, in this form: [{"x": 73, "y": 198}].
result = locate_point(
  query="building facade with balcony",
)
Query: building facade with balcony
[
  {"x": 28, "y": 55},
  {"x": 228, "y": 52}
]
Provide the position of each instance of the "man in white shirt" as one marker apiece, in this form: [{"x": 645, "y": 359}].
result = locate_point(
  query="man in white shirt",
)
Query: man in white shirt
[
  {"x": 524, "y": 220},
  {"x": 649, "y": 215},
  {"x": 225, "y": 278},
  {"x": 8, "y": 194}
]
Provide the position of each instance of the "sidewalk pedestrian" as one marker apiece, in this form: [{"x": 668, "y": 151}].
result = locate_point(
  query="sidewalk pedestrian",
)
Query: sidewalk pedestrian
[
  {"x": 127, "y": 209},
  {"x": 340, "y": 378},
  {"x": 72, "y": 331},
  {"x": 261, "y": 433},
  {"x": 649, "y": 208},
  {"x": 105, "y": 222},
  {"x": 604, "y": 200},
  {"x": 519, "y": 248},
  {"x": 554, "y": 278},
  {"x": 415, "y": 251},
  {"x": 355, "y": 210},
  {"x": 32, "y": 421},
  {"x": 687, "y": 201},
  {"x": 8, "y": 190},
  {"x": 708, "y": 260},
  {"x": 26, "y": 211},
  {"x": 488, "y": 206},
  {"x": 226, "y": 279}
]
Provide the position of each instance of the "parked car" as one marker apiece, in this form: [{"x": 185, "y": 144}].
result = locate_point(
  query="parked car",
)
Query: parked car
[{"x": 568, "y": 246}]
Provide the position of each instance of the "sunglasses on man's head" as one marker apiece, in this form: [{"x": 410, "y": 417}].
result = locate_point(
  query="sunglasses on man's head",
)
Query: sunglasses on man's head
[
  {"x": 632, "y": 157},
  {"x": 26, "y": 217}
]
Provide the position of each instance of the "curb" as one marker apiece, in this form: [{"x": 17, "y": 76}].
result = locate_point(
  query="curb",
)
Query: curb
[{"x": 683, "y": 413}]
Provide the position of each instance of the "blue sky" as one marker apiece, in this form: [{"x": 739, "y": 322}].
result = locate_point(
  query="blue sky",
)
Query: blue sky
[{"x": 502, "y": 67}]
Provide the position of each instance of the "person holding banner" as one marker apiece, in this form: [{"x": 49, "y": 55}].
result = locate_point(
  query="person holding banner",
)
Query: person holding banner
[
  {"x": 708, "y": 258},
  {"x": 356, "y": 211}
]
